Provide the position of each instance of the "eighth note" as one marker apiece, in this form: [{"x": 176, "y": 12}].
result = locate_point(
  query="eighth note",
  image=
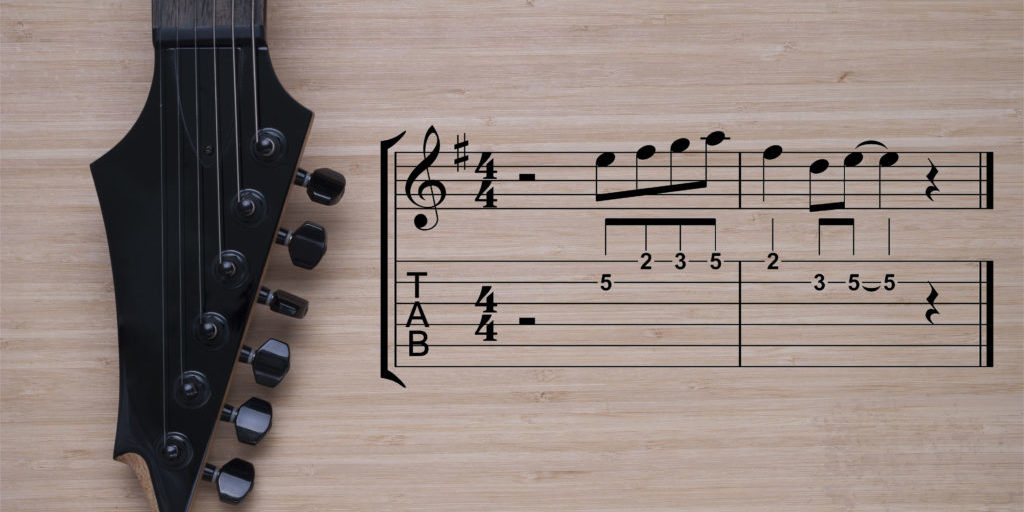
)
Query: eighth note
[{"x": 931, "y": 179}]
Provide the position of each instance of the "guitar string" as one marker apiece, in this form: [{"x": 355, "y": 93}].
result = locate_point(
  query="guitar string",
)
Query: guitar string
[
  {"x": 199, "y": 166},
  {"x": 234, "y": 92},
  {"x": 163, "y": 241},
  {"x": 255, "y": 95},
  {"x": 177, "y": 159},
  {"x": 216, "y": 139}
]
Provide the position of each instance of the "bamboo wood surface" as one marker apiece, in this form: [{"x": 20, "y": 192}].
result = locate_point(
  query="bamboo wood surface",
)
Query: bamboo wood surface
[{"x": 529, "y": 74}]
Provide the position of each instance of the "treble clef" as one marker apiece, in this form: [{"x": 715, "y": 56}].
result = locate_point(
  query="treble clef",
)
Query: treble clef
[{"x": 436, "y": 196}]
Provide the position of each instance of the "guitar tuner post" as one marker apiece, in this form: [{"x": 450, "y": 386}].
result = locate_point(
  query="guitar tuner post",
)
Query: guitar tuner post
[
  {"x": 306, "y": 245},
  {"x": 280, "y": 301},
  {"x": 234, "y": 479},
  {"x": 270, "y": 363},
  {"x": 324, "y": 186},
  {"x": 252, "y": 419}
]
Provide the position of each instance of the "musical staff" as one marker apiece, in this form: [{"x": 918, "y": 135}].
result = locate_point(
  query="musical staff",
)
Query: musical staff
[
  {"x": 671, "y": 180},
  {"x": 879, "y": 313},
  {"x": 587, "y": 259}
]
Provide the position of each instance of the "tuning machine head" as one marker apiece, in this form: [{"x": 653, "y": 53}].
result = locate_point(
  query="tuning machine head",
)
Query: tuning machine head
[
  {"x": 234, "y": 480},
  {"x": 306, "y": 245},
  {"x": 324, "y": 186},
  {"x": 270, "y": 362},
  {"x": 252, "y": 420},
  {"x": 280, "y": 301}
]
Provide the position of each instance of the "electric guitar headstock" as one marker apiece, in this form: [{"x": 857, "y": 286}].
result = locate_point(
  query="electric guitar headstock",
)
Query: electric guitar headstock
[{"x": 192, "y": 199}]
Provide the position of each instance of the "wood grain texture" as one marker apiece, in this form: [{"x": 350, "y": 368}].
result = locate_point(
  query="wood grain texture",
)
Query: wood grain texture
[{"x": 522, "y": 74}]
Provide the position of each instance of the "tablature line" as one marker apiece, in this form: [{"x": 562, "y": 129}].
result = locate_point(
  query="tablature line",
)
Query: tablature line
[
  {"x": 702, "y": 303},
  {"x": 725, "y": 324},
  {"x": 669, "y": 208},
  {"x": 683, "y": 345},
  {"x": 592, "y": 282}
]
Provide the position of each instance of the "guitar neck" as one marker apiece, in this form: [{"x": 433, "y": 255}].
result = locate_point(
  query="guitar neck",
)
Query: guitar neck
[{"x": 176, "y": 20}]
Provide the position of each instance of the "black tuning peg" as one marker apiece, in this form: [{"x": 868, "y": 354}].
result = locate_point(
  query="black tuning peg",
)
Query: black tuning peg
[
  {"x": 270, "y": 362},
  {"x": 323, "y": 186},
  {"x": 306, "y": 245},
  {"x": 252, "y": 420},
  {"x": 283, "y": 302},
  {"x": 234, "y": 480}
]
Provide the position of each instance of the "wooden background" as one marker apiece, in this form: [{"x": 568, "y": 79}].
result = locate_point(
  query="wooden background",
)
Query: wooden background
[{"x": 513, "y": 75}]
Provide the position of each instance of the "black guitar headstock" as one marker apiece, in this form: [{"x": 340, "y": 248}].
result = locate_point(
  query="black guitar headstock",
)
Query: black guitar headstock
[{"x": 192, "y": 200}]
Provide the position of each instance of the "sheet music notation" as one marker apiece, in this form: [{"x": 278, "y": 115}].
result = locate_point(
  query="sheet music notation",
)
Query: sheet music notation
[{"x": 480, "y": 270}]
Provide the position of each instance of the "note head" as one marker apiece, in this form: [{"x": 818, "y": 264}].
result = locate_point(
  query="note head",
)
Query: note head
[
  {"x": 605, "y": 159},
  {"x": 819, "y": 166},
  {"x": 889, "y": 159},
  {"x": 645, "y": 152},
  {"x": 772, "y": 152},
  {"x": 715, "y": 138},
  {"x": 853, "y": 159},
  {"x": 679, "y": 145}
]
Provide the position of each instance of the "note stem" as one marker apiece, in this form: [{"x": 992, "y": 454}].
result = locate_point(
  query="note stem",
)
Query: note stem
[
  {"x": 844, "y": 182},
  {"x": 762, "y": 178},
  {"x": 636, "y": 178},
  {"x": 879, "y": 185},
  {"x": 705, "y": 160}
]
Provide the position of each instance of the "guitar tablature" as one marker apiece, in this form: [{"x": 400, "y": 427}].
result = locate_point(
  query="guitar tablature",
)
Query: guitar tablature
[{"x": 538, "y": 259}]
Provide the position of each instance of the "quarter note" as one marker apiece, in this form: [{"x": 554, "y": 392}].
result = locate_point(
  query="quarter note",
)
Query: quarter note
[
  {"x": 931, "y": 179},
  {"x": 435, "y": 187},
  {"x": 770, "y": 153}
]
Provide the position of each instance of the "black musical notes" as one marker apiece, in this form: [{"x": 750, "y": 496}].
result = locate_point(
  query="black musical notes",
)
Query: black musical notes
[
  {"x": 817, "y": 167},
  {"x": 644, "y": 153},
  {"x": 769, "y": 153},
  {"x": 563, "y": 302},
  {"x": 888, "y": 159},
  {"x": 678, "y": 146},
  {"x": 712, "y": 139},
  {"x": 869, "y": 177},
  {"x": 435, "y": 187},
  {"x": 602, "y": 160},
  {"x": 931, "y": 302},
  {"x": 931, "y": 179}
]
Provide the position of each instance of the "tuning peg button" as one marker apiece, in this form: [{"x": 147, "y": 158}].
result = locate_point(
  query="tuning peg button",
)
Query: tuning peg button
[
  {"x": 283, "y": 302},
  {"x": 234, "y": 480},
  {"x": 306, "y": 245},
  {"x": 270, "y": 362},
  {"x": 324, "y": 186},
  {"x": 252, "y": 420}
]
